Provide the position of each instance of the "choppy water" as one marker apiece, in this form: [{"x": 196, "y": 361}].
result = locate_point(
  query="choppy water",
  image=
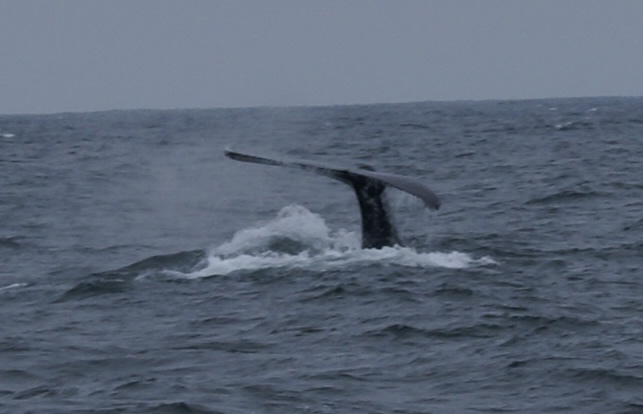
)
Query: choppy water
[{"x": 143, "y": 272}]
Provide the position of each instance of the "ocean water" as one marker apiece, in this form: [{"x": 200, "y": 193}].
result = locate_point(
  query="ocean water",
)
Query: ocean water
[{"x": 144, "y": 272}]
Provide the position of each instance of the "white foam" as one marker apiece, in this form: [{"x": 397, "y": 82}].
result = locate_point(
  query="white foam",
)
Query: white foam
[{"x": 297, "y": 238}]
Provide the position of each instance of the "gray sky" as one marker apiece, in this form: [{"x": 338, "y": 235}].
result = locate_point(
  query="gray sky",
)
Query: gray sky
[{"x": 85, "y": 55}]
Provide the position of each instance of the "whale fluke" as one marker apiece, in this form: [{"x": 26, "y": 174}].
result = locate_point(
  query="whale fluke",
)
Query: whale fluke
[{"x": 377, "y": 228}]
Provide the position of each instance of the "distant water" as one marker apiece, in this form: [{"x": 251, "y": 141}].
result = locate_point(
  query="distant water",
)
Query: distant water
[{"x": 144, "y": 272}]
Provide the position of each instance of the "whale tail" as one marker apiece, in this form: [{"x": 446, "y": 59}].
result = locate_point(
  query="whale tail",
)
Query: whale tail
[{"x": 377, "y": 228}]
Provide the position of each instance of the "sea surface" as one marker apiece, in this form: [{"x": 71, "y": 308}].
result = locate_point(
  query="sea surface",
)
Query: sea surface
[{"x": 142, "y": 271}]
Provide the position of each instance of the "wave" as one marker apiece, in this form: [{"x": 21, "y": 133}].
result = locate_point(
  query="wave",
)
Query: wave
[
  {"x": 400, "y": 331},
  {"x": 10, "y": 242},
  {"x": 13, "y": 286},
  {"x": 565, "y": 196}
]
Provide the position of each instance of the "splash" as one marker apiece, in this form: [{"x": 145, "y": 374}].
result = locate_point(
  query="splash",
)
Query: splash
[
  {"x": 298, "y": 238},
  {"x": 294, "y": 230}
]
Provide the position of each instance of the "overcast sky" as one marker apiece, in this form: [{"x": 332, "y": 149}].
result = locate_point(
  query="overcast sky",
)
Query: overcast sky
[{"x": 86, "y": 55}]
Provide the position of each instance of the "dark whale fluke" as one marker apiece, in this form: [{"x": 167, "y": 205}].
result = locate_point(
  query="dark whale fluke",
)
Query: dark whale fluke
[{"x": 377, "y": 229}]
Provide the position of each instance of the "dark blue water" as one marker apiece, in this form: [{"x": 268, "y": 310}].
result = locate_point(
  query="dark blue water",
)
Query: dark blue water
[{"x": 144, "y": 272}]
